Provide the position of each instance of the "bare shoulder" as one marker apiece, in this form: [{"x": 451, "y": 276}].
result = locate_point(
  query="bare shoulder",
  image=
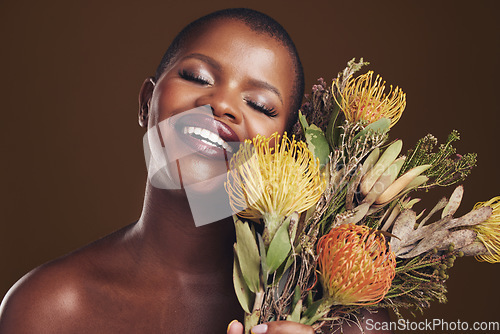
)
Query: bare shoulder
[
  {"x": 56, "y": 296},
  {"x": 40, "y": 300}
]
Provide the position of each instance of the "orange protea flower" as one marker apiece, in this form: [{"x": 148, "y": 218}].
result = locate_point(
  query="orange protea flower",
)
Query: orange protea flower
[
  {"x": 271, "y": 178},
  {"x": 488, "y": 232},
  {"x": 356, "y": 265},
  {"x": 364, "y": 99}
]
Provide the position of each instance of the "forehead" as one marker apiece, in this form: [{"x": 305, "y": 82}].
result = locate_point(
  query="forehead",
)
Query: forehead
[
  {"x": 230, "y": 35},
  {"x": 243, "y": 50},
  {"x": 229, "y": 28}
]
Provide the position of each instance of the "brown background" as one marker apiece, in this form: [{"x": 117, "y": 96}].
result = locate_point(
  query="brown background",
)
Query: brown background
[{"x": 72, "y": 166}]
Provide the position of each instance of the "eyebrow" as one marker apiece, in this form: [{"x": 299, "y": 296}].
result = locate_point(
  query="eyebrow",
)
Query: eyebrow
[
  {"x": 253, "y": 82},
  {"x": 267, "y": 86},
  {"x": 206, "y": 59}
]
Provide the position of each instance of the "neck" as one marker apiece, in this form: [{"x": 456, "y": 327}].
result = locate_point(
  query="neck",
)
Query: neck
[{"x": 167, "y": 232}]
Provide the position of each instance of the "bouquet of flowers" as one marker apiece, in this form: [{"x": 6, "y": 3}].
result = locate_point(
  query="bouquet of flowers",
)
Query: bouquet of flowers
[{"x": 328, "y": 226}]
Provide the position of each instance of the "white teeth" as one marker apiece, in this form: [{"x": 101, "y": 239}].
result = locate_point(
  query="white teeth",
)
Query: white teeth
[
  {"x": 204, "y": 133},
  {"x": 212, "y": 138}
]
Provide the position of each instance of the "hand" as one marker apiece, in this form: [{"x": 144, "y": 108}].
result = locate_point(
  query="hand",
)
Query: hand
[{"x": 274, "y": 327}]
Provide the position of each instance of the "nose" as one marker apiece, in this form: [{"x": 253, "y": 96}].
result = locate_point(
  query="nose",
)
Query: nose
[{"x": 224, "y": 104}]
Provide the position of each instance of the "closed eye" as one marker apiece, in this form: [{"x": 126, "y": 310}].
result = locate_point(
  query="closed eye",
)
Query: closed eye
[
  {"x": 196, "y": 78},
  {"x": 269, "y": 111}
]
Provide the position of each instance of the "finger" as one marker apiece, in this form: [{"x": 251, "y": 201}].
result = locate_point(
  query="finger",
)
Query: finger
[
  {"x": 282, "y": 327},
  {"x": 235, "y": 327}
]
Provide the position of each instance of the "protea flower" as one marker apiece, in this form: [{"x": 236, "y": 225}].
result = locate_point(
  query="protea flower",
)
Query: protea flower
[
  {"x": 356, "y": 265},
  {"x": 488, "y": 232},
  {"x": 364, "y": 99},
  {"x": 270, "y": 179}
]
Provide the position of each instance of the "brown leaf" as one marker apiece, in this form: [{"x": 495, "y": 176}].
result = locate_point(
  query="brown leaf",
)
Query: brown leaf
[
  {"x": 429, "y": 242},
  {"x": 473, "y": 249},
  {"x": 454, "y": 202},
  {"x": 403, "y": 226},
  {"x": 472, "y": 218}
]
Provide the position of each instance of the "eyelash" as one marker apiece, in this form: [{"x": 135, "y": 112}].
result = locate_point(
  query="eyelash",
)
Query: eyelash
[
  {"x": 271, "y": 112},
  {"x": 194, "y": 78}
]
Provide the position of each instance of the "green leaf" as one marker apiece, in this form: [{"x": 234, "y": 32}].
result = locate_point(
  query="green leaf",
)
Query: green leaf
[
  {"x": 309, "y": 299},
  {"x": 296, "y": 295},
  {"x": 289, "y": 262},
  {"x": 380, "y": 126},
  {"x": 313, "y": 312},
  {"x": 295, "y": 315},
  {"x": 315, "y": 318},
  {"x": 312, "y": 309},
  {"x": 263, "y": 258},
  {"x": 245, "y": 296},
  {"x": 282, "y": 271},
  {"x": 279, "y": 248},
  {"x": 303, "y": 122},
  {"x": 317, "y": 144},
  {"x": 332, "y": 130},
  {"x": 282, "y": 278},
  {"x": 248, "y": 255}
]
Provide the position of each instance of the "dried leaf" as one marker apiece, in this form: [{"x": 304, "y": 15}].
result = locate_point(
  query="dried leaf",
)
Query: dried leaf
[
  {"x": 460, "y": 238},
  {"x": 475, "y": 248},
  {"x": 394, "y": 214},
  {"x": 472, "y": 218},
  {"x": 441, "y": 204},
  {"x": 424, "y": 231},
  {"x": 454, "y": 202},
  {"x": 429, "y": 242},
  {"x": 403, "y": 226}
]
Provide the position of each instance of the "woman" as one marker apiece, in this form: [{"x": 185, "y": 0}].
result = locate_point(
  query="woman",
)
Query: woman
[{"x": 163, "y": 274}]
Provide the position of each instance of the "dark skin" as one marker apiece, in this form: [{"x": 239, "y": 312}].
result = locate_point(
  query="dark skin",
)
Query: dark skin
[{"x": 163, "y": 274}]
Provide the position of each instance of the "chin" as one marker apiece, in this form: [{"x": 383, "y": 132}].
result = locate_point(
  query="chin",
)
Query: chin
[{"x": 208, "y": 200}]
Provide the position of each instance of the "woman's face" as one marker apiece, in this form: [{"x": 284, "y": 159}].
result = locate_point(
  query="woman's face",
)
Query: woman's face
[{"x": 245, "y": 77}]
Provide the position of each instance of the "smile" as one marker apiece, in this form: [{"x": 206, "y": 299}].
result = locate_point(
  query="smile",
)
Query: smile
[{"x": 207, "y": 137}]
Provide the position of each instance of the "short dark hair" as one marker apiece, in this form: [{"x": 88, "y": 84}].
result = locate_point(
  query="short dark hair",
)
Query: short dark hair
[{"x": 256, "y": 21}]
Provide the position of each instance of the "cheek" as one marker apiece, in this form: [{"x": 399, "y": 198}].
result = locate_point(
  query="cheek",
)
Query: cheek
[
  {"x": 173, "y": 99},
  {"x": 265, "y": 126}
]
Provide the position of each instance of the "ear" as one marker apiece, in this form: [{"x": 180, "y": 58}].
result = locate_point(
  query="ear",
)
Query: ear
[{"x": 144, "y": 99}]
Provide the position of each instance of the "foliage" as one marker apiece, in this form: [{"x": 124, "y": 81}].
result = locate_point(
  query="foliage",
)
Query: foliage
[{"x": 367, "y": 183}]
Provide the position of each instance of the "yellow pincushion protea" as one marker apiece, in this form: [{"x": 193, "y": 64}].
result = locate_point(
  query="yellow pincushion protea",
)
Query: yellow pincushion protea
[
  {"x": 364, "y": 99},
  {"x": 488, "y": 232},
  {"x": 271, "y": 178},
  {"x": 356, "y": 265}
]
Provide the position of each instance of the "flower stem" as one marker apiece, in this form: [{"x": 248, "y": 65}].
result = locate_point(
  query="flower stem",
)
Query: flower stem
[{"x": 252, "y": 319}]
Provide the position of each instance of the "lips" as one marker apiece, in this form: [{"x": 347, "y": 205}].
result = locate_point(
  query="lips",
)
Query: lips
[{"x": 208, "y": 136}]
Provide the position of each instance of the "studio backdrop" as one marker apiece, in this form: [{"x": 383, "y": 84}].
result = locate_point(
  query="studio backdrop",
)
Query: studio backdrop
[{"x": 72, "y": 163}]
